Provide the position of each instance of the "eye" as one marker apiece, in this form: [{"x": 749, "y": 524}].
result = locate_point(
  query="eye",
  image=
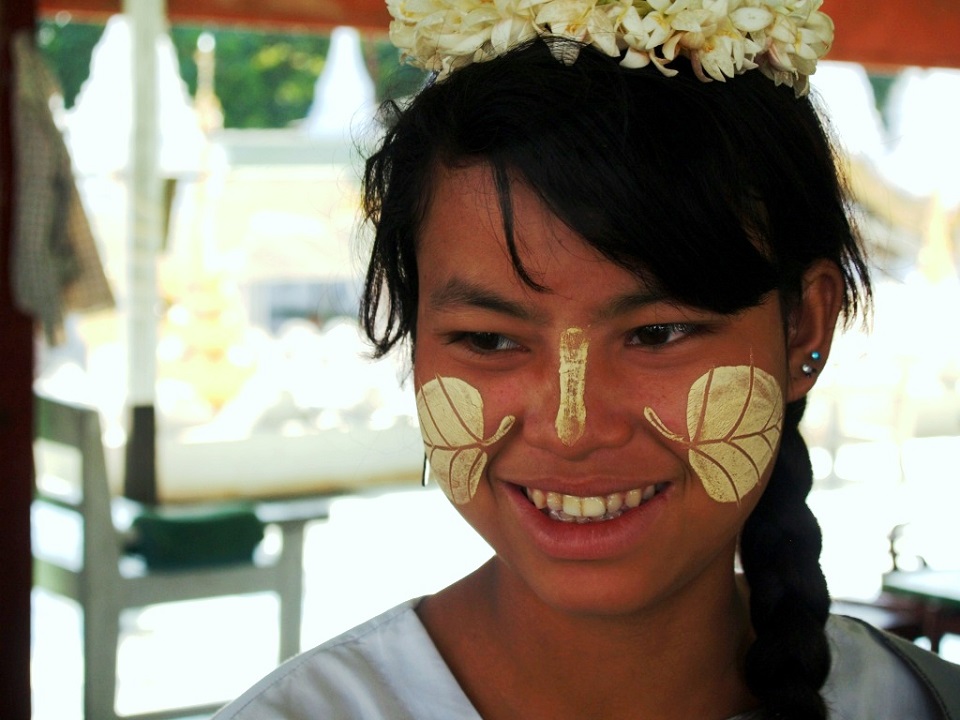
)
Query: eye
[
  {"x": 658, "y": 335},
  {"x": 485, "y": 342}
]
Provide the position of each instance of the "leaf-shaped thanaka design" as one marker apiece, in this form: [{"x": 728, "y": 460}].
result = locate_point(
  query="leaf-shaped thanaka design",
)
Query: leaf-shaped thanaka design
[
  {"x": 734, "y": 420},
  {"x": 451, "y": 421}
]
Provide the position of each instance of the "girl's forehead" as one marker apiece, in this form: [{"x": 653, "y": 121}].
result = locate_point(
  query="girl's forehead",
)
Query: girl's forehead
[
  {"x": 464, "y": 236},
  {"x": 477, "y": 226},
  {"x": 466, "y": 213}
]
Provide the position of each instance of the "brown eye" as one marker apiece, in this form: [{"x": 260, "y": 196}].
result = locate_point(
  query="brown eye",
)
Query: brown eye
[
  {"x": 487, "y": 342},
  {"x": 656, "y": 335}
]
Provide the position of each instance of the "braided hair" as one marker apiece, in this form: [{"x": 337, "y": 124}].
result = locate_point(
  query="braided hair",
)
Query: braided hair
[
  {"x": 621, "y": 156},
  {"x": 789, "y": 603}
]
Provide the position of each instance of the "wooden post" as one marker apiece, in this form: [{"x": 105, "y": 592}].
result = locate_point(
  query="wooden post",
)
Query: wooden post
[{"x": 16, "y": 412}]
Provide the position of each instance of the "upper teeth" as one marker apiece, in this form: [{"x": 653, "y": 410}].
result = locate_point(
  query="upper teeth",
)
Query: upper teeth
[{"x": 574, "y": 508}]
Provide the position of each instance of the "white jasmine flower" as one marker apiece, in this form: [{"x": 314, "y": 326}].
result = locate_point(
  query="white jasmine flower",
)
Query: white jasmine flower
[
  {"x": 751, "y": 19},
  {"x": 585, "y": 21},
  {"x": 658, "y": 28},
  {"x": 721, "y": 38}
]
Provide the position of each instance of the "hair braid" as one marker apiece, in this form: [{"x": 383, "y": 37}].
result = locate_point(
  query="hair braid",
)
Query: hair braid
[{"x": 789, "y": 603}]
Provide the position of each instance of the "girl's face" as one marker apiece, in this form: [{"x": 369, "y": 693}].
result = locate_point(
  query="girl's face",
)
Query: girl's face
[{"x": 608, "y": 443}]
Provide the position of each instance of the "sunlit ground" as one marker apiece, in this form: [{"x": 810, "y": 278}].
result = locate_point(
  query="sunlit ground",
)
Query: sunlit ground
[{"x": 377, "y": 552}]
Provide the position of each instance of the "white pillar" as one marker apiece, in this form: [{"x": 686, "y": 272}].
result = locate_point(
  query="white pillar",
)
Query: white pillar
[{"x": 145, "y": 228}]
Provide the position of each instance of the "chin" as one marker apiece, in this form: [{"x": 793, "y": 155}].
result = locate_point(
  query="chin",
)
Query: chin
[{"x": 589, "y": 589}]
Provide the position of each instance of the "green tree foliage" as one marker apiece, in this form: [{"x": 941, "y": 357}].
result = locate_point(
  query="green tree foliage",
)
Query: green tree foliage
[
  {"x": 68, "y": 47},
  {"x": 263, "y": 80}
]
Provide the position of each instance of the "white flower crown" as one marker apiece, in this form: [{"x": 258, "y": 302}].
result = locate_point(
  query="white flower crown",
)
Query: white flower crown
[{"x": 721, "y": 38}]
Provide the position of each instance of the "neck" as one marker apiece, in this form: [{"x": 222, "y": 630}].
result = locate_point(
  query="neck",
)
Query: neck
[{"x": 681, "y": 658}]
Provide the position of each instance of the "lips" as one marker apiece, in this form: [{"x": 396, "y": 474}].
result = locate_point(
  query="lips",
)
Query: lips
[
  {"x": 585, "y": 527},
  {"x": 590, "y": 509}
]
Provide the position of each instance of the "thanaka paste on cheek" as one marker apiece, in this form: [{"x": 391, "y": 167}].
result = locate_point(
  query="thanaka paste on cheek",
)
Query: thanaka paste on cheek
[
  {"x": 572, "y": 413},
  {"x": 451, "y": 422},
  {"x": 734, "y": 421}
]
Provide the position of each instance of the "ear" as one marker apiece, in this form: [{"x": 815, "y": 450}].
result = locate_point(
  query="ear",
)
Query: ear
[{"x": 811, "y": 326}]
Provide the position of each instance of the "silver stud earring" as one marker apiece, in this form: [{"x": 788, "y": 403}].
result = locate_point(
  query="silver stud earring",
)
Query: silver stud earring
[{"x": 808, "y": 368}]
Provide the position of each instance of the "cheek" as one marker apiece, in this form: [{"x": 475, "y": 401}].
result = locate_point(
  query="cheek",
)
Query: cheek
[
  {"x": 451, "y": 414},
  {"x": 734, "y": 418}
]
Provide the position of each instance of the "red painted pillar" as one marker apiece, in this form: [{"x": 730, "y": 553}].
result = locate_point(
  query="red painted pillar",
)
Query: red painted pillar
[{"x": 16, "y": 415}]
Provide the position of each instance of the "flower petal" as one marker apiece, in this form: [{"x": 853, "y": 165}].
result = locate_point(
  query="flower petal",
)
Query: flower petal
[{"x": 751, "y": 19}]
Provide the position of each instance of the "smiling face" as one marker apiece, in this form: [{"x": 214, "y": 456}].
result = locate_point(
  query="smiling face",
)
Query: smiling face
[{"x": 593, "y": 492}]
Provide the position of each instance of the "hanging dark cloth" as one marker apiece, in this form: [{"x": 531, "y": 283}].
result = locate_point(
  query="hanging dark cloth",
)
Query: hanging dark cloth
[{"x": 56, "y": 267}]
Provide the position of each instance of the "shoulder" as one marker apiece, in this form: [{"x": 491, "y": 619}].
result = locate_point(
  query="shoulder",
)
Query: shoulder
[
  {"x": 880, "y": 676},
  {"x": 385, "y": 668}
]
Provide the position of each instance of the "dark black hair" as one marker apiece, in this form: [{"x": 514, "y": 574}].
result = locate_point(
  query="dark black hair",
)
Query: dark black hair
[{"x": 714, "y": 193}]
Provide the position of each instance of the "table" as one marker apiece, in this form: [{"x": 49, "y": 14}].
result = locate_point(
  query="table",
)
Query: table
[{"x": 938, "y": 594}]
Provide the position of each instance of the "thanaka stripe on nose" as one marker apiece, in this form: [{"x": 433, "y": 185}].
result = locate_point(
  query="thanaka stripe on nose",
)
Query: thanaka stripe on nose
[{"x": 572, "y": 413}]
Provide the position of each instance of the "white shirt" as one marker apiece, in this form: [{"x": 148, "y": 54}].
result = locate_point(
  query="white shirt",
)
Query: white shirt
[{"x": 389, "y": 669}]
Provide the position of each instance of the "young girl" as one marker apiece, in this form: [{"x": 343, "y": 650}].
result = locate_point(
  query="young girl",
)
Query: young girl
[{"x": 613, "y": 235}]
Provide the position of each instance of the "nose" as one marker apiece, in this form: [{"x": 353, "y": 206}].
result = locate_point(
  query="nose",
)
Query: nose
[
  {"x": 577, "y": 404},
  {"x": 572, "y": 410}
]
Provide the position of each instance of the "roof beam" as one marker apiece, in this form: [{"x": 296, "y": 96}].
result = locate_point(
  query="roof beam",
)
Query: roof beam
[
  {"x": 881, "y": 34},
  {"x": 316, "y": 15}
]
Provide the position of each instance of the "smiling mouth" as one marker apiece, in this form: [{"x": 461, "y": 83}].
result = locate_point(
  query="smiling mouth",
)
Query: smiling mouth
[{"x": 598, "y": 508}]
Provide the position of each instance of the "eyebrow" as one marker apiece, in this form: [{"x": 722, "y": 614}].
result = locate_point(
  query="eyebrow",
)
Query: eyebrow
[
  {"x": 631, "y": 301},
  {"x": 460, "y": 292}
]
